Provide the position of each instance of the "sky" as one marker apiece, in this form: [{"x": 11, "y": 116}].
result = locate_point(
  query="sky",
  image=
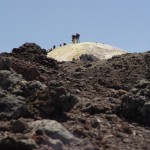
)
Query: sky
[{"x": 121, "y": 23}]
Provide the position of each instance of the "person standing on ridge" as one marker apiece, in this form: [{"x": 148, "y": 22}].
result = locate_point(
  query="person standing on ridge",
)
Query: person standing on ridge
[
  {"x": 77, "y": 38},
  {"x": 54, "y": 47},
  {"x": 73, "y": 38}
]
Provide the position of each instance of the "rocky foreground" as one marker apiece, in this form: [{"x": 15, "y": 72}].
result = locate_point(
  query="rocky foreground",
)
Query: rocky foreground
[{"x": 76, "y": 105}]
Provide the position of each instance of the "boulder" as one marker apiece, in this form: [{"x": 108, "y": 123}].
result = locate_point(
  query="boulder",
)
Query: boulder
[
  {"x": 7, "y": 79},
  {"x": 87, "y": 57},
  {"x": 5, "y": 63},
  {"x": 12, "y": 142},
  {"x": 52, "y": 129},
  {"x": 64, "y": 100},
  {"x": 11, "y": 107},
  {"x": 136, "y": 103}
]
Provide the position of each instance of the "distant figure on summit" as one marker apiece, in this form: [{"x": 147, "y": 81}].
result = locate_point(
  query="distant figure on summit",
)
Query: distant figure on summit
[
  {"x": 75, "y": 38},
  {"x": 54, "y": 47}
]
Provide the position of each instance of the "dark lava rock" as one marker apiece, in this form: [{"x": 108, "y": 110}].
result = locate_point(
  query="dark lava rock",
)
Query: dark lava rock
[
  {"x": 34, "y": 53},
  {"x": 136, "y": 103},
  {"x": 34, "y": 88},
  {"x": 94, "y": 108},
  {"x": 64, "y": 100},
  {"x": 5, "y": 63},
  {"x": 7, "y": 79},
  {"x": 11, "y": 107},
  {"x": 91, "y": 108},
  {"x": 27, "y": 70},
  {"x": 31, "y": 88},
  {"x": 30, "y": 52},
  {"x": 3, "y": 93},
  {"x": 18, "y": 126},
  {"x": 88, "y": 57},
  {"x": 30, "y": 48},
  {"x": 54, "y": 83},
  {"x": 10, "y": 143}
]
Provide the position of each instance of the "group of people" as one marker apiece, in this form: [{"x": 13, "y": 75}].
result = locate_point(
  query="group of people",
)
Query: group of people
[
  {"x": 75, "y": 38},
  {"x": 55, "y": 46},
  {"x": 62, "y": 44}
]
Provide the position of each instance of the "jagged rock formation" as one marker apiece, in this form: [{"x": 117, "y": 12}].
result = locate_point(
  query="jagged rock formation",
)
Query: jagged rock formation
[
  {"x": 74, "y": 51},
  {"x": 136, "y": 103},
  {"x": 85, "y": 105}
]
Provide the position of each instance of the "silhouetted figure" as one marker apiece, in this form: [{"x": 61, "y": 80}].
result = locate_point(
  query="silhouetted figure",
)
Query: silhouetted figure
[
  {"x": 60, "y": 45},
  {"x": 54, "y": 47},
  {"x": 77, "y": 37},
  {"x": 73, "y": 38},
  {"x": 64, "y": 44}
]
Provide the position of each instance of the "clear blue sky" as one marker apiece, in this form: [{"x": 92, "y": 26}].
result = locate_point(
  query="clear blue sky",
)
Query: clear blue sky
[{"x": 121, "y": 23}]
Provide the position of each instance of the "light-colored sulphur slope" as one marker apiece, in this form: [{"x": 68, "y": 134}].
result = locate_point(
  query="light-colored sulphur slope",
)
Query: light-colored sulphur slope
[{"x": 70, "y": 51}]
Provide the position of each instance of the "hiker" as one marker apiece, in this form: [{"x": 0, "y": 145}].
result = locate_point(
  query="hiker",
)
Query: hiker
[
  {"x": 77, "y": 37},
  {"x": 73, "y": 38},
  {"x": 54, "y": 47}
]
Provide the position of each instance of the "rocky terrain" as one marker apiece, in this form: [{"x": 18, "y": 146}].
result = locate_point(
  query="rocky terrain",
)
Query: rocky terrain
[{"x": 74, "y": 105}]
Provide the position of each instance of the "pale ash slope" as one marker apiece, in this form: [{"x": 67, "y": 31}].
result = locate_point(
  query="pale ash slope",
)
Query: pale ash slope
[{"x": 70, "y": 51}]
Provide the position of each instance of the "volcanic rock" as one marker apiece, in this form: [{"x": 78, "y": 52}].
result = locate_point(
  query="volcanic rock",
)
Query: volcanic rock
[
  {"x": 70, "y": 105},
  {"x": 11, "y": 108},
  {"x": 136, "y": 103},
  {"x": 52, "y": 129}
]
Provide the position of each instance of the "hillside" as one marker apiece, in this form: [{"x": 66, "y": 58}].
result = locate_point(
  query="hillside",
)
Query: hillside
[
  {"x": 74, "y": 51},
  {"x": 73, "y": 105}
]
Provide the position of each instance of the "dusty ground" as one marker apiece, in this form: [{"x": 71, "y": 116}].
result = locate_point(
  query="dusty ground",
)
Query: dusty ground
[
  {"x": 104, "y": 103},
  {"x": 74, "y": 51}
]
